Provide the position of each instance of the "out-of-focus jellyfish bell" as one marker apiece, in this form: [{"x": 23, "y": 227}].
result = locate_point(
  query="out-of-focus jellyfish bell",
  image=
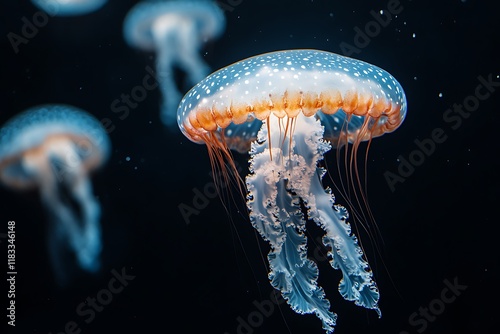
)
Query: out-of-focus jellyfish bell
[
  {"x": 54, "y": 148},
  {"x": 69, "y": 7},
  {"x": 176, "y": 31},
  {"x": 287, "y": 109}
]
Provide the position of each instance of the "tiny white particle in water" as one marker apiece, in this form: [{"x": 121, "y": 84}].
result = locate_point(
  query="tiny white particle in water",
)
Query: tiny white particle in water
[
  {"x": 414, "y": 35},
  {"x": 440, "y": 95},
  {"x": 127, "y": 158}
]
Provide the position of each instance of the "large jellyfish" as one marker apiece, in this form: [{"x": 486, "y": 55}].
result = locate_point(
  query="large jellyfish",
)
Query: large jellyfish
[
  {"x": 176, "y": 31},
  {"x": 287, "y": 109},
  {"x": 54, "y": 148},
  {"x": 69, "y": 7}
]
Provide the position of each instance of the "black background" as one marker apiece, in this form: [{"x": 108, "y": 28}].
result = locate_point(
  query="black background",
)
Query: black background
[{"x": 439, "y": 224}]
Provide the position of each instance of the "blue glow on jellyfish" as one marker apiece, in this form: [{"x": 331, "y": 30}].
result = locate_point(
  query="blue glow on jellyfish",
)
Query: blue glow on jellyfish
[
  {"x": 54, "y": 148},
  {"x": 176, "y": 31},
  {"x": 287, "y": 109},
  {"x": 69, "y": 7}
]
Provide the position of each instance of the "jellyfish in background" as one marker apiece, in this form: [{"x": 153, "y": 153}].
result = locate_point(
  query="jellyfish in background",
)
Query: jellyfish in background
[
  {"x": 176, "y": 31},
  {"x": 287, "y": 109},
  {"x": 69, "y": 7},
  {"x": 54, "y": 148}
]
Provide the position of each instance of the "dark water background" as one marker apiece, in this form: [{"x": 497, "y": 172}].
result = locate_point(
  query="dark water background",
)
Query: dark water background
[{"x": 440, "y": 224}]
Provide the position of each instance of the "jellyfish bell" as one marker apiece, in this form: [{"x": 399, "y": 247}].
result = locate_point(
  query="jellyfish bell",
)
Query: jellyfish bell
[
  {"x": 176, "y": 31},
  {"x": 338, "y": 86},
  {"x": 148, "y": 22},
  {"x": 54, "y": 148},
  {"x": 69, "y": 7},
  {"x": 287, "y": 109}
]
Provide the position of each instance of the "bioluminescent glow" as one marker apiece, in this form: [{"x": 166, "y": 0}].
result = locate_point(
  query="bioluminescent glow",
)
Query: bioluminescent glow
[
  {"x": 176, "y": 31},
  {"x": 53, "y": 148},
  {"x": 69, "y": 7},
  {"x": 287, "y": 109}
]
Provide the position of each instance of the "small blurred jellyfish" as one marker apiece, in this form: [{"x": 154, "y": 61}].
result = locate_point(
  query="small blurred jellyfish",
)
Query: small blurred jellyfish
[
  {"x": 69, "y": 7},
  {"x": 54, "y": 148},
  {"x": 176, "y": 31},
  {"x": 287, "y": 109}
]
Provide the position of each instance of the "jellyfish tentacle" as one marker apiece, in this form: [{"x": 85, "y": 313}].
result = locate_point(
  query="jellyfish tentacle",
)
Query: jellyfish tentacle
[
  {"x": 304, "y": 294},
  {"x": 63, "y": 227},
  {"x": 90, "y": 250},
  {"x": 181, "y": 50},
  {"x": 57, "y": 246},
  {"x": 163, "y": 31},
  {"x": 357, "y": 284},
  {"x": 189, "y": 58},
  {"x": 276, "y": 187},
  {"x": 62, "y": 223},
  {"x": 276, "y": 213},
  {"x": 87, "y": 240},
  {"x": 62, "y": 168},
  {"x": 261, "y": 198}
]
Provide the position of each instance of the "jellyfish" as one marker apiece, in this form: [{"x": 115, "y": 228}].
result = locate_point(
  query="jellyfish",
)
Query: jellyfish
[
  {"x": 176, "y": 31},
  {"x": 69, "y": 7},
  {"x": 287, "y": 109},
  {"x": 53, "y": 148}
]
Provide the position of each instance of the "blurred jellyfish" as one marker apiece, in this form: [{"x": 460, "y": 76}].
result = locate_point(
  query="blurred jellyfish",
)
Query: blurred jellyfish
[
  {"x": 176, "y": 31},
  {"x": 287, "y": 109},
  {"x": 54, "y": 148},
  {"x": 69, "y": 7}
]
